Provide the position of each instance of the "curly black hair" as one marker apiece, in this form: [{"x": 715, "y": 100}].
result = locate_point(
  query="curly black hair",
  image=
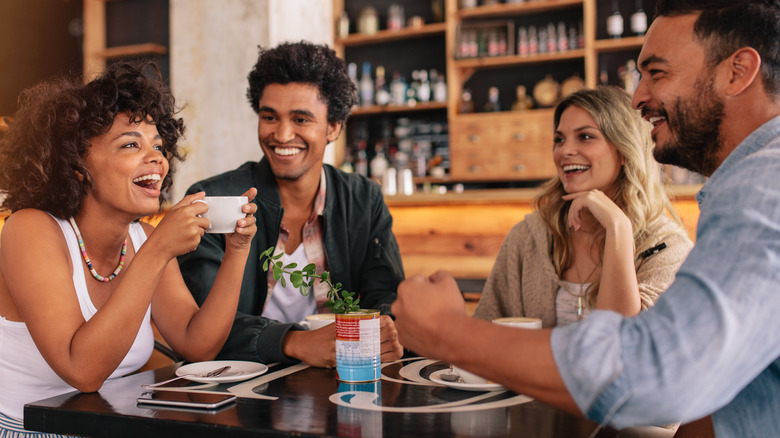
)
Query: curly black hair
[
  {"x": 305, "y": 63},
  {"x": 42, "y": 155}
]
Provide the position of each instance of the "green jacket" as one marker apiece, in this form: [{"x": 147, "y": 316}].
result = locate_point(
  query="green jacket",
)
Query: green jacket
[{"x": 359, "y": 244}]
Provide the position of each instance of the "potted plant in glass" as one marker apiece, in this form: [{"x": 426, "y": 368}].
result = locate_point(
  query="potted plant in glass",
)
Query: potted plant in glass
[{"x": 358, "y": 341}]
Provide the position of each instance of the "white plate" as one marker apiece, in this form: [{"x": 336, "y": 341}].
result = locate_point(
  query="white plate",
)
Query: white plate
[
  {"x": 435, "y": 376},
  {"x": 239, "y": 370}
]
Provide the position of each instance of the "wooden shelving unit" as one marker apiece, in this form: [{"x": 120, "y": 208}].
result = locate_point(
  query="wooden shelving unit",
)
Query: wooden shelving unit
[
  {"x": 96, "y": 54},
  {"x": 510, "y": 126}
]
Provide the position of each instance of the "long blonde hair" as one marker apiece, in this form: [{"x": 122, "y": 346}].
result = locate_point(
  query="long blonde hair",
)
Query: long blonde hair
[{"x": 639, "y": 191}]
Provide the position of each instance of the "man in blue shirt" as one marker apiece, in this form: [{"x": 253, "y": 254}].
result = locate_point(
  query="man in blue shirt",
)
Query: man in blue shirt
[{"x": 711, "y": 345}]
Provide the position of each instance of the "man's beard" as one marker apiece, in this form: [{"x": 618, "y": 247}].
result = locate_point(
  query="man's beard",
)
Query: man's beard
[{"x": 695, "y": 142}]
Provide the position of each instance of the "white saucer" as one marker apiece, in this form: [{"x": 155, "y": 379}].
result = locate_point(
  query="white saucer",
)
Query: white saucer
[
  {"x": 435, "y": 376},
  {"x": 239, "y": 370}
]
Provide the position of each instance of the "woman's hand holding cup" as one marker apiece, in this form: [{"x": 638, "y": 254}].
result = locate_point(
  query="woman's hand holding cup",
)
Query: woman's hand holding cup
[
  {"x": 245, "y": 227},
  {"x": 181, "y": 228}
]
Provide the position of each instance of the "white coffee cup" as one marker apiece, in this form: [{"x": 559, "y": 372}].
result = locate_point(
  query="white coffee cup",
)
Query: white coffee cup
[
  {"x": 520, "y": 322},
  {"x": 319, "y": 320},
  {"x": 223, "y": 213}
]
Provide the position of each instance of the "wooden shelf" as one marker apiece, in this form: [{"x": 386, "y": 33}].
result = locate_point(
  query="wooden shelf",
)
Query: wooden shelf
[
  {"x": 478, "y": 116},
  {"x": 510, "y": 60},
  {"x": 501, "y": 10},
  {"x": 383, "y": 109},
  {"x": 133, "y": 50},
  {"x": 384, "y": 36},
  {"x": 618, "y": 44}
]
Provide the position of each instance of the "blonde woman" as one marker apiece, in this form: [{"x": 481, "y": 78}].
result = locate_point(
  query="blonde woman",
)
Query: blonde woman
[{"x": 604, "y": 234}]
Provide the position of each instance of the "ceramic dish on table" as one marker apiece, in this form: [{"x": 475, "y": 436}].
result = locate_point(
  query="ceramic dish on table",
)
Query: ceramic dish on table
[
  {"x": 239, "y": 370},
  {"x": 436, "y": 376}
]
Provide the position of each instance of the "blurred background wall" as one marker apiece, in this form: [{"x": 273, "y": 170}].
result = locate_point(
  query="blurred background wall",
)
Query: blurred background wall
[{"x": 214, "y": 44}]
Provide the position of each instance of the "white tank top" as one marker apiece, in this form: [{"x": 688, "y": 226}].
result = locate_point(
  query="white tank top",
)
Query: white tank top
[{"x": 24, "y": 374}]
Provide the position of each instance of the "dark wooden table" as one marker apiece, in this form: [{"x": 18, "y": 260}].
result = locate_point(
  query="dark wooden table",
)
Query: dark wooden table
[{"x": 303, "y": 401}]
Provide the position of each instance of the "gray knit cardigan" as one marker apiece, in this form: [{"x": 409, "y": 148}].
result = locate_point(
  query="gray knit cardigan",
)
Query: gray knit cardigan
[{"x": 523, "y": 281}]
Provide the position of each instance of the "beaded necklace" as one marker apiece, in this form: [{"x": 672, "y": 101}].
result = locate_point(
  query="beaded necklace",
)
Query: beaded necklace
[{"x": 97, "y": 276}]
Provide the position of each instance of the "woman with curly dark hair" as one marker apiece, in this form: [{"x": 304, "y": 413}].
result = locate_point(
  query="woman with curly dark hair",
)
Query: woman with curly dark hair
[{"x": 80, "y": 276}]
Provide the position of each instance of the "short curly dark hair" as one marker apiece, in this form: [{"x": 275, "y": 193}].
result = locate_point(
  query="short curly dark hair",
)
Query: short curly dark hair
[
  {"x": 305, "y": 63},
  {"x": 44, "y": 149}
]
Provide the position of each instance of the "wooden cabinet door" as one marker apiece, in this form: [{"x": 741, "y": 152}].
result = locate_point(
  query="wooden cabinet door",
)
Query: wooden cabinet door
[{"x": 502, "y": 146}]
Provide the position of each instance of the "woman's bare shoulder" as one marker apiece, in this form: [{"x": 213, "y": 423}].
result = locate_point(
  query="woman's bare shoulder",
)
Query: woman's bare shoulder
[{"x": 29, "y": 220}]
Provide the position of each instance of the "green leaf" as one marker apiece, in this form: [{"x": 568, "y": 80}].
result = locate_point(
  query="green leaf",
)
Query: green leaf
[
  {"x": 265, "y": 265},
  {"x": 267, "y": 253},
  {"x": 278, "y": 256},
  {"x": 284, "y": 283},
  {"x": 296, "y": 279},
  {"x": 325, "y": 275},
  {"x": 311, "y": 268},
  {"x": 277, "y": 273},
  {"x": 304, "y": 290},
  {"x": 291, "y": 266}
]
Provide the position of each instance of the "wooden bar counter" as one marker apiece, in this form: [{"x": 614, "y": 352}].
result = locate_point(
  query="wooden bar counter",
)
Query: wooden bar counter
[{"x": 462, "y": 232}]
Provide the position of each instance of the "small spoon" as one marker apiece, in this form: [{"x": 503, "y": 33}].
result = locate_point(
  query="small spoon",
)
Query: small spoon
[
  {"x": 451, "y": 376},
  {"x": 215, "y": 373}
]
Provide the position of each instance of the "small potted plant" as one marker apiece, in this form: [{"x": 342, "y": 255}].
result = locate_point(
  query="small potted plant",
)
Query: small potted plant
[{"x": 357, "y": 330}]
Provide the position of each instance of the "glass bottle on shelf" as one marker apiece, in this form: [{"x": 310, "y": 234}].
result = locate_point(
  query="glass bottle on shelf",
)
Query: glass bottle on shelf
[
  {"x": 381, "y": 90},
  {"x": 466, "y": 104},
  {"x": 615, "y": 22},
  {"x": 522, "y": 41},
  {"x": 573, "y": 41},
  {"x": 395, "y": 17},
  {"x": 424, "y": 90},
  {"x": 368, "y": 21},
  {"x": 482, "y": 43},
  {"x": 552, "y": 38},
  {"x": 412, "y": 90},
  {"x": 604, "y": 77},
  {"x": 439, "y": 87},
  {"x": 630, "y": 77},
  {"x": 437, "y": 10},
  {"x": 542, "y": 43},
  {"x": 343, "y": 25},
  {"x": 523, "y": 100},
  {"x": 533, "y": 41},
  {"x": 492, "y": 45},
  {"x": 379, "y": 163},
  {"x": 639, "y": 20},
  {"x": 352, "y": 72},
  {"x": 563, "y": 39},
  {"x": 473, "y": 44},
  {"x": 398, "y": 89},
  {"x": 493, "y": 104},
  {"x": 366, "y": 86}
]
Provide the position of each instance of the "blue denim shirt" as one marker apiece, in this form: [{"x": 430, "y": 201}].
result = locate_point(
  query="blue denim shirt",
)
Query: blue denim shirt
[{"x": 711, "y": 344}]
